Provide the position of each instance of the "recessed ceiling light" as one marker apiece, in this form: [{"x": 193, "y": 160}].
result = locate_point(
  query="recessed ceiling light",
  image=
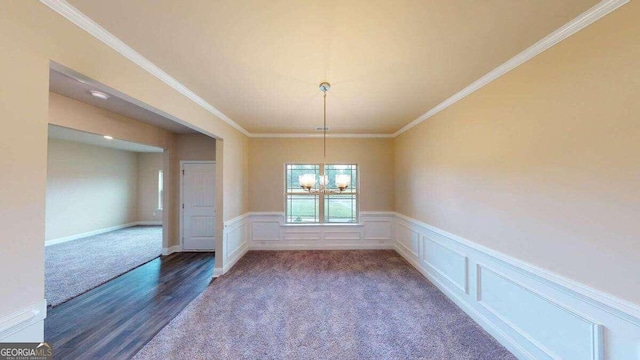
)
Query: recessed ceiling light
[
  {"x": 108, "y": 137},
  {"x": 99, "y": 94}
]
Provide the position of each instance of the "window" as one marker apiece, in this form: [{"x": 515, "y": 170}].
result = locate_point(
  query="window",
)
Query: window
[
  {"x": 160, "y": 189},
  {"x": 304, "y": 207}
]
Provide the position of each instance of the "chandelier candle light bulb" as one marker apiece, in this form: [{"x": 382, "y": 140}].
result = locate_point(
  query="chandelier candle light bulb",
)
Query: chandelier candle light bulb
[
  {"x": 307, "y": 181},
  {"x": 343, "y": 181}
]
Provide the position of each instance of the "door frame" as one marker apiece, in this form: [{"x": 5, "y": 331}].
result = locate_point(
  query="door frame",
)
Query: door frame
[{"x": 181, "y": 203}]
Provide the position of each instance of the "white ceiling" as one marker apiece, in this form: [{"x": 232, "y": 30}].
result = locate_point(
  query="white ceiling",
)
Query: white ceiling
[
  {"x": 389, "y": 62},
  {"x": 71, "y": 87},
  {"x": 66, "y": 134}
]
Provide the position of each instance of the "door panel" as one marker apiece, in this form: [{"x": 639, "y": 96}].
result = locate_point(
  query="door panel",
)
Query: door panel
[{"x": 199, "y": 212}]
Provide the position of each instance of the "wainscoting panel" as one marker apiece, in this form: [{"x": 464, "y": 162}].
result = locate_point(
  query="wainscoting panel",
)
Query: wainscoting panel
[
  {"x": 271, "y": 233},
  {"x": 408, "y": 239},
  {"x": 303, "y": 235},
  {"x": 378, "y": 226},
  {"x": 448, "y": 263},
  {"x": 535, "y": 314},
  {"x": 235, "y": 240},
  {"x": 342, "y": 235},
  {"x": 556, "y": 331},
  {"x": 266, "y": 228}
]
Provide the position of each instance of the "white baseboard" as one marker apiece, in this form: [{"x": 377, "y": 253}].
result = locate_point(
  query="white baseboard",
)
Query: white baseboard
[
  {"x": 87, "y": 234},
  {"x": 99, "y": 231},
  {"x": 530, "y": 311},
  {"x": 170, "y": 250},
  {"x": 217, "y": 272},
  {"x": 234, "y": 259},
  {"x": 24, "y": 325},
  {"x": 149, "y": 223}
]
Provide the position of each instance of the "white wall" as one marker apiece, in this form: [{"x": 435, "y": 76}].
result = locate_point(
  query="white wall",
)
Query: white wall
[{"x": 89, "y": 188}]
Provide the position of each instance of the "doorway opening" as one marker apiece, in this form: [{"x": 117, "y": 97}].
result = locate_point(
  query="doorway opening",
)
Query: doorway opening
[
  {"x": 104, "y": 210},
  {"x": 84, "y": 128}
]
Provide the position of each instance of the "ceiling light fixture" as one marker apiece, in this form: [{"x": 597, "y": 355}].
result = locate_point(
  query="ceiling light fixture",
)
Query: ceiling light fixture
[
  {"x": 99, "y": 94},
  {"x": 108, "y": 137},
  {"x": 308, "y": 181}
]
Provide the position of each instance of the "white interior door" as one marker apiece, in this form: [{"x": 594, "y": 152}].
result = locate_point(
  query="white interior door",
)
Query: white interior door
[{"x": 199, "y": 206}]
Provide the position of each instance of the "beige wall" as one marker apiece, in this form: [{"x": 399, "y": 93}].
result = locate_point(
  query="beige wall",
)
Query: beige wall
[
  {"x": 544, "y": 163},
  {"x": 73, "y": 114},
  {"x": 195, "y": 147},
  {"x": 269, "y": 156},
  {"x": 149, "y": 164},
  {"x": 23, "y": 160},
  {"x": 31, "y": 35},
  {"x": 89, "y": 188}
]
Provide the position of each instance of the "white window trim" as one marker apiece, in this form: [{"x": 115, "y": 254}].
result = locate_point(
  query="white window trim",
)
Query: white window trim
[
  {"x": 321, "y": 219},
  {"x": 160, "y": 189}
]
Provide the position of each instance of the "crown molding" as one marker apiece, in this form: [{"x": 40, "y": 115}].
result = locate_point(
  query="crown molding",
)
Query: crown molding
[
  {"x": 330, "y": 136},
  {"x": 590, "y": 16},
  {"x": 74, "y": 15},
  {"x": 585, "y": 19}
]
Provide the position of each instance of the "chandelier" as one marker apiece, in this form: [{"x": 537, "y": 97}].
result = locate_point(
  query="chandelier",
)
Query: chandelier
[{"x": 308, "y": 181}]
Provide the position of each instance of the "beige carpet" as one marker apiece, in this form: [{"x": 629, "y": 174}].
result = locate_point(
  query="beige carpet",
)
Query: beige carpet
[{"x": 322, "y": 305}]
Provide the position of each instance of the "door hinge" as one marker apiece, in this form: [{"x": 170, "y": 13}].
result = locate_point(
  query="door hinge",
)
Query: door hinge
[
  {"x": 183, "y": 206},
  {"x": 182, "y": 172}
]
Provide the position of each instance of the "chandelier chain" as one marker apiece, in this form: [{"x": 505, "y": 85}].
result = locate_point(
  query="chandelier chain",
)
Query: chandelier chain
[{"x": 324, "y": 140}]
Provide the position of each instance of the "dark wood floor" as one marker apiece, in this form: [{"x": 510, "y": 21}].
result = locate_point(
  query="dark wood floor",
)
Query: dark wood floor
[{"x": 116, "y": 319}]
